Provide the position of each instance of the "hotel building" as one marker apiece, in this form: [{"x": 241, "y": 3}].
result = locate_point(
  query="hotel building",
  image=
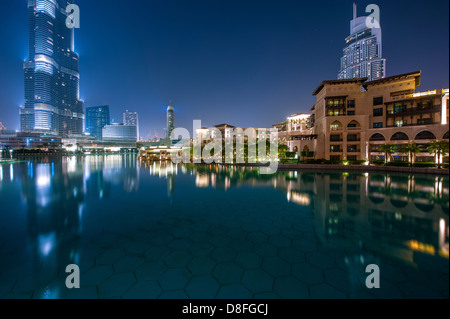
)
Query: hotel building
[{"x": 353, "y": 117}]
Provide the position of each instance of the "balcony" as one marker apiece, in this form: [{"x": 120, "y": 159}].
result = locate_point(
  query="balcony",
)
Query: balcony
[
  {"x": 416, "y": 124},
  {"x": 336, "y": 150},
  {"x": 413, "y": 111},
  {"x": 353, "y": 151},
  {"x": 353, "y": 139},
  {"x": 353, "y": 129}
]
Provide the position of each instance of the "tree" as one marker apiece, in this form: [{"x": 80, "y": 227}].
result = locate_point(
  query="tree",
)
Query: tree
[
  {"x": 412, "y": 149},
  {"x": 388, "y": 150},
  {"x": 282, "y": 149},
  {"x": 439, "y": 149}
]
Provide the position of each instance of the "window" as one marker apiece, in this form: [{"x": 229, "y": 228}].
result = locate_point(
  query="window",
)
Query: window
[
  {"x": 424, "y": 121},
  {"x": 352, "y": 158},
  {"x": 378, "y": 100},
  {"x": 400, "y": 123},
  {"x": 378, "y": 112},
  {"x": 335, "y": 157},
  {"x": 352, "y": 125},
  {"x": 351, "y": 104},
  {"x": 378, "y": 125},
  {"x": 350, "y": 112},
  {"x": 335, "y": 138}
]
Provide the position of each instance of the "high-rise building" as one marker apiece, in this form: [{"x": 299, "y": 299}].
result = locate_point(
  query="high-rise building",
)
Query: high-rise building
[
  {"x": 362, "y": 56},
  {"x": 2, "y": 127},
  {"x": 120, "y": 133},
  {"x": 97, "y": 118},
  {"x": 132, "y": 119},
  {"x": 170, "y": 120},
  {"x": 52, "y": 103}
]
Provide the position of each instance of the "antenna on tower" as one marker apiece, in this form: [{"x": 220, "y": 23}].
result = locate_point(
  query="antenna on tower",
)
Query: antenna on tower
[{"x": 355, "y": 11}]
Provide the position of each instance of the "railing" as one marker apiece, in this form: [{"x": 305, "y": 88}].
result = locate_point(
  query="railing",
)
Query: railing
[
  {"x": 336, "y": 140},
  {"x": 353, "y": 129},
  {"x": 414, "y": 124},
  {"x": 336, "y": 151},
  {"x": 353, "y": 151},
  {"x": 353, "y": 139}
]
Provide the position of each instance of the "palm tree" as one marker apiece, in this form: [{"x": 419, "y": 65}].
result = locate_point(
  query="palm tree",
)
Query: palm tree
[
  {"x": 388, "y": 150},
  {"x": 412, "y": 150},
  {"x": 438, "y": 148}
]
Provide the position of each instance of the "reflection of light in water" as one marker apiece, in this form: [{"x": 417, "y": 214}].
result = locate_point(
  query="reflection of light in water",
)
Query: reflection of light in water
[
  {"x": 1, "y": 173},
  {"x": 443, "y": 239},
  {"x": 300, "y": 199},
  {"x": 213, "y": 180},
  {"x": 202, "y": 180},
  {"x": 421, "y": 247},
  {"x": 71, "y": 165},
  {"x": 227, "y": 182},
  {"x": 11, "y": 172},
  {"x": 46, "y": 243},
  {"x": 43, "y": 175}
]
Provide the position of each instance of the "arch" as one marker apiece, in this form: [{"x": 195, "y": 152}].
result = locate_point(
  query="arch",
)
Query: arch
[
  {"x": 399, "y": 136},
  {"x": 376, "y": 200},
  {"x": 446, "y": 136},
  {"x": 354, "y": 124},
  {"x": 295, "y": 149},
  {"x": 425, "y": 135},
  {"x": 377, "y": 137},
  {"x": 398, "y": 203},
  {"x": 424, "y": 207},
  {"x": 306, "y": 149},
  {"x": 335, "y": 126}
]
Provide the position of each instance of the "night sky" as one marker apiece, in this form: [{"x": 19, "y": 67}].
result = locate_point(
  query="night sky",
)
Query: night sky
[{"x": 249, "y": 63}]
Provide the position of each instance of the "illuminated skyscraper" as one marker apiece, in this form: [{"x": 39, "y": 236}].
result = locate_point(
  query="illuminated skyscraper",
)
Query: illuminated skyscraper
[
  {"x": 97, "y": 118},
  {"x": 363, "y": 51},
  {"x": 131, "y": 119},
  {"x": 170, "y": 120},
  {"x": 52, "y": 103}
]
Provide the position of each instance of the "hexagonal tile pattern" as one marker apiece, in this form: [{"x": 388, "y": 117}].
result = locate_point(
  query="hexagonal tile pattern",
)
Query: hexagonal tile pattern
[
  {"x": 233, "y": 291},
  {"x": 320, "y": 260},
  {"x": 143, "y": 290},
  {"x": 150, "y": 270},
  {"x": 203, "y": 287},
  {"x": 223, "y": 254},
  {"x": 116, "y": 285},
  {"x": 96, "y": 275},
  {"x": 175, "y": 279},
  {"x": 201, "y": 265},
  {"x": 109, "y": 256},
  {"x": 178, "y": 258},
  {"x": 257, "y": 280},
  {"x": 289, "y": 287},
  {"x": 308, "y": 273},
  {"x": 248, "y": 260},
  {"x": 291, "y": 255},
  {"x": 128, "y": 263},
  {"x": 324, "y": 291},
  {"x": 228, "y": 273}
]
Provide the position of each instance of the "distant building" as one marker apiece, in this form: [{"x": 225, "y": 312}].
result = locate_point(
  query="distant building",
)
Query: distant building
[
  {"x": 120, "y": 133},
  {"x": 170, "y": 120},
  {"x": 52, "y": 103},
  {"x": 2, "y": 127},
  {"x": 362, "y": 55},
  {"x": 97, "y": 118},
  {"x": 131, "y": 119}
]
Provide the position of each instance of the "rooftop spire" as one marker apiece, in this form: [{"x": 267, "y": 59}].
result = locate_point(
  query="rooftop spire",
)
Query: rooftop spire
[{"x": 355, "y": 12}]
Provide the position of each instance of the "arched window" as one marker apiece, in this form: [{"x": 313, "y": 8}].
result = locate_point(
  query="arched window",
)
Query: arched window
[
  {"x": 354, "y": 124},
  {"x": 425, "y": 135},
  {"x": 377, "y": 137},
  {"x": 295, "y": 149},
  {"x": 446, "y": 136},
  {"x": 399, "y": 136},
  {"x": 336, "y": 126},
  {"x": 306, "y": 149}
]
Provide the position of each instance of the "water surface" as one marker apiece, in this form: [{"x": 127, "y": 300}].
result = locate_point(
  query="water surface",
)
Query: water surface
[{"x": 165, "y": 231}]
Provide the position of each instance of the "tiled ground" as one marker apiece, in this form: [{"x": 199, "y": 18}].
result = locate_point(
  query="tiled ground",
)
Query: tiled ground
[{"x": 179, "y": 258}]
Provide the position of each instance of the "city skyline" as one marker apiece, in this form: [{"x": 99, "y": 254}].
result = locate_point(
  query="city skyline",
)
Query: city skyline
[{"x": 240, "y": 94}]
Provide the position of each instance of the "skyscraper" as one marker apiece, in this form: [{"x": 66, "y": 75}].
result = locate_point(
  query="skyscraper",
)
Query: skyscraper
[
  {"x": 131, "y": 119},
  {"x": 170, "y": 120},
  {"x": 97, "y": 118},
  {"x": 362, "y": 56},
  {"x": 52, "y": 103}
]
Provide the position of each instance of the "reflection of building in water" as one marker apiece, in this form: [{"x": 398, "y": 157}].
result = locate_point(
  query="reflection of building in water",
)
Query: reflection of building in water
[
  {"x": 166, "y": 170},
  {"x": 53, "y": 193},
  {"x": 389, "y": 214}
]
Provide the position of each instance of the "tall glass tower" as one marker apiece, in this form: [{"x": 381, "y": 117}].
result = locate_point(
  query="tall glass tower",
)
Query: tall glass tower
[
  {"x": 362, "y": 56},
  {"x": 97, "y": 118},
  {"x": 131, "y": 119},
  {"x": 170, "y": 120},
  {"x": 52, "y": 103}
]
